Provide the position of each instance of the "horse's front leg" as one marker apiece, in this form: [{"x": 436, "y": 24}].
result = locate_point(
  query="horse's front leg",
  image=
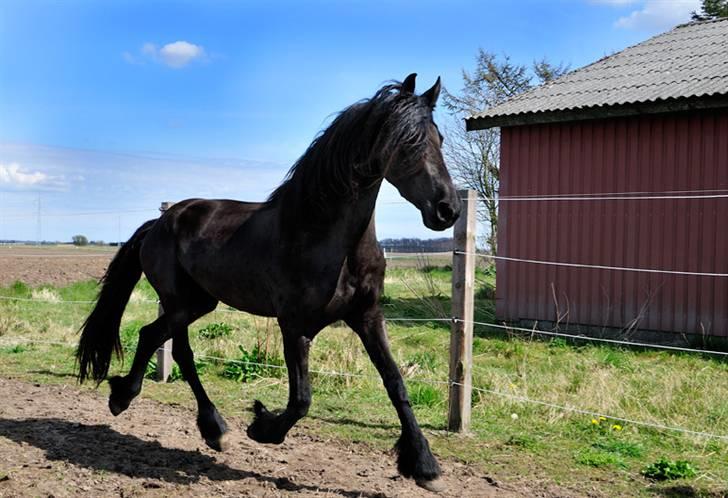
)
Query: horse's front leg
[
  {"x": 271, "y": 428},
  {"x": 415, "y": 459}
]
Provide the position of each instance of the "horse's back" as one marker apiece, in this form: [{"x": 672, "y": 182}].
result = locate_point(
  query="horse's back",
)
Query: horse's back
[{"x": 199, "y": 239}]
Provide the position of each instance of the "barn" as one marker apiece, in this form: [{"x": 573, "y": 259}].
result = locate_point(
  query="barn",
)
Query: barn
[{"x": 613, "y": 210}]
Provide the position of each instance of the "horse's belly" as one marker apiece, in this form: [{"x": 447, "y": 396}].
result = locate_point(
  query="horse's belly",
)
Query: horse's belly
[{"x": 242, "y": 289}]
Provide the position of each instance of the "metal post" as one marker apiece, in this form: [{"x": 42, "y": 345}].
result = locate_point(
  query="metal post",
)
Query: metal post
[
  {"x": 164, "y": 354},
  {"x": 461, "y": 337}
]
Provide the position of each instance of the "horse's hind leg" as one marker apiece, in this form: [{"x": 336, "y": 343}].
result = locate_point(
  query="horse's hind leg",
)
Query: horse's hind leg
[
  {"x": 270, "y": 428},
  {"x": 212, "y": 426},
  {"x": 125, "y": 389}
]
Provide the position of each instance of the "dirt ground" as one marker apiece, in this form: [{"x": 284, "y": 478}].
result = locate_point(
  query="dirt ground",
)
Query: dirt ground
[
  {"x": 54, "y": 265},
  {"x": 59, "y": 441}
]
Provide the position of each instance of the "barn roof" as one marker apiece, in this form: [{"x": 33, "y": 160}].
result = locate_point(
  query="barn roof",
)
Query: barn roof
[{"x": 684, "y": 68}]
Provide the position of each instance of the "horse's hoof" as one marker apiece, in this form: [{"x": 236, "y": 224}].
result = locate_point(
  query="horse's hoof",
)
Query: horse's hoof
[
  {"x": 116, "y": 407},
  {"x": 220, "y": 444},
  {"x": 119, "y": 399},
  {"x": 436, "y": 485},
  {"x": 264, "y": 428}
]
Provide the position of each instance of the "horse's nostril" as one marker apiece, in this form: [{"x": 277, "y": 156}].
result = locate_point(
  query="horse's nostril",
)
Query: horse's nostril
[{"x": 444, "y": 211}]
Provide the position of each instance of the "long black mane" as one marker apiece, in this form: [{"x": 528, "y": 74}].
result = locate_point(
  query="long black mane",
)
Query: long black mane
[{"x": 355, "y": 150}]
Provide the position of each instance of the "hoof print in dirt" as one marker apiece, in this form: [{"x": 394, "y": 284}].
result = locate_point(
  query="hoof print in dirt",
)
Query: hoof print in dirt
[{"x": 264, "y": 428}]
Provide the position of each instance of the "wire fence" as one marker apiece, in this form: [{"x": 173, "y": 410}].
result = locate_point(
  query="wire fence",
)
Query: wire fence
[
  {"x": 501, "y": 326},
  {"x": 424, "y": 380},
  {"x": 607, "y": 196}
]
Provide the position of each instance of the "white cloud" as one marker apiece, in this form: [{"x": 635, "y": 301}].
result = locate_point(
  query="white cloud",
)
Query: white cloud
[
  {"x": 13, "y": 175},
  {"x": 659, "y": 15},
  {"x": 175, "y": 55},
  {"x": 180, "y": 53}
]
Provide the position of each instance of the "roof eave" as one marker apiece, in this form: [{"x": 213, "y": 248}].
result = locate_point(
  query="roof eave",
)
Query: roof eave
[{"x": 597, "y": 112}]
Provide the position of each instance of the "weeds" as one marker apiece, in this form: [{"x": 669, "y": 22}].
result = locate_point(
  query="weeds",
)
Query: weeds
[
  {"x": 251, "y": 365},
  {"x": 668, "y": 470},
  {"x": 215, "y": 330}
]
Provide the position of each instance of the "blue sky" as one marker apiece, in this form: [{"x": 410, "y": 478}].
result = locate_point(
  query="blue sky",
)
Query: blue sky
[{"x": 115, "y": 106}]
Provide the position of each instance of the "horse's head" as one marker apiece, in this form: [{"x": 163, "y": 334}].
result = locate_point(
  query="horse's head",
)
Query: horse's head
[{"x": 416, "y": 166}]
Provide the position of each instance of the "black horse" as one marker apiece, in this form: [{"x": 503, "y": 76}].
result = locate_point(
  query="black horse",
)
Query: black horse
[{"x": 308, "y": 256}]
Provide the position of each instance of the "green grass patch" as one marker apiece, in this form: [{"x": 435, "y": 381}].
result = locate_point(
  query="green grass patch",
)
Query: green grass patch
[
  {"x": 597, "y": 458},
  {"x": 425, "y": 395}
]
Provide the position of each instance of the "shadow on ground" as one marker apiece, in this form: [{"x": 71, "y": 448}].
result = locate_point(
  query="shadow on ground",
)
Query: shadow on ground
[{"x": 99, "y": 447}]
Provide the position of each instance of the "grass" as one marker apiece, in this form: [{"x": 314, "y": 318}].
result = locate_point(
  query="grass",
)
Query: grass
[{"x": 511, "y": 440}]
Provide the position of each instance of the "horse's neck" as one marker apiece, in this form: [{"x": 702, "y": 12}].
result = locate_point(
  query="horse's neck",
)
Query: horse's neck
[
  {"x": 346, "y": 225},
  {"x": 358, "y": 214}
]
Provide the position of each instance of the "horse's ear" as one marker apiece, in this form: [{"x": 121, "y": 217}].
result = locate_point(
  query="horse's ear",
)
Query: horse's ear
[
  {"x": 408, "y": 85},
  {"x": 431, "y": 95}
]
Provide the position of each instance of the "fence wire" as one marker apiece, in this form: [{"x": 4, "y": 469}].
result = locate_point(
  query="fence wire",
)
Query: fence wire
[
  {"x": 513, "y": 397},
  {"x": 595, "y": 267},
  {"x": 432, "y": 319}
]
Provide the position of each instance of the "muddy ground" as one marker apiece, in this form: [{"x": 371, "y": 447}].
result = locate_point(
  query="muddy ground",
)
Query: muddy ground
[{"x": 61, "y": 441}]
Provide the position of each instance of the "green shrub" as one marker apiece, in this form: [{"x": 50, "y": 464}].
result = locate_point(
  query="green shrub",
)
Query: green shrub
[
  {"x": 215, "y": 330},
  {"x": 667, "y": 470},
  {"x": 253, "y": 364}
]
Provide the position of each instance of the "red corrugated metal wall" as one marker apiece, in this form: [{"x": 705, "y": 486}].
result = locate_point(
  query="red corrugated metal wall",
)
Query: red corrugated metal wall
[{"x": 658, "y": 153}]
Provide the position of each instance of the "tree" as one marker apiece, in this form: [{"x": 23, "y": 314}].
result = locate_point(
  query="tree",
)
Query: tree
[
  {"x": 79, "y": 240},
  {"x": 474, "y": 157},
  {"x": 711, "y": 9}
]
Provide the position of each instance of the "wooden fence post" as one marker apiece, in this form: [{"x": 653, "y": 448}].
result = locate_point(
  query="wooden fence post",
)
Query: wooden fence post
[
  {"x": 164, "y": 353},
  {"x": 461, "y": 337}
]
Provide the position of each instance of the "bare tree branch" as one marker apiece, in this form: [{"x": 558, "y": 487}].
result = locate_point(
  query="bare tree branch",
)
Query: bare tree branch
[{"x": 474, "y": 157}]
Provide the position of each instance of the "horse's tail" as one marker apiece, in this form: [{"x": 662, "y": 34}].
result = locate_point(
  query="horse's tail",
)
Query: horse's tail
[{"x": 100, "y": 331}]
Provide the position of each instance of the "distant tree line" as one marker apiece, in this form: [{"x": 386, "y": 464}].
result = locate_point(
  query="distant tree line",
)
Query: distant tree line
[
  {"x": 82, "y": 240},
  {"x": 442, "y": 244}
]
